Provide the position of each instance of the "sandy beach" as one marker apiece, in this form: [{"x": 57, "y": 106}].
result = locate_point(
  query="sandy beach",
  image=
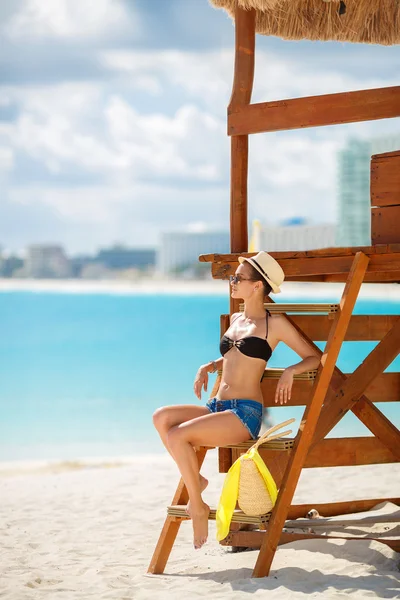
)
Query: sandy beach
[{"x": 88, "y": 530}]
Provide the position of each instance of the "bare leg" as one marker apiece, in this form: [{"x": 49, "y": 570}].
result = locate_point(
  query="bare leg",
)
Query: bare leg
[
  {"x": 187, "y": 463},
  {"x": 170, "y": 416},
  {"x": 217, "y": 429}
]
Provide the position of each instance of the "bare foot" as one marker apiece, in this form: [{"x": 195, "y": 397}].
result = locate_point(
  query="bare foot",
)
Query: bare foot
[
  {"x": 200, "y": 525},
  {"x": 203, "y": 485}
]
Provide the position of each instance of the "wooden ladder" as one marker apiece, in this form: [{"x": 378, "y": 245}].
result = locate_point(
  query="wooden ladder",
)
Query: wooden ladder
[{"x": 274, "y": 522}]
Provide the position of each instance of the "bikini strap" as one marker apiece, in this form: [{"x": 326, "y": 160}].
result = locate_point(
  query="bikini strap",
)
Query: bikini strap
[
  {"x": 266, "y": 319},
  {"x": 235, "y": 318}
]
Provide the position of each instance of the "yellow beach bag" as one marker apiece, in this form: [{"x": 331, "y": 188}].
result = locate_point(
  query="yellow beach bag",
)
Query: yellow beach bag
[{"x": 248, "y": 483}]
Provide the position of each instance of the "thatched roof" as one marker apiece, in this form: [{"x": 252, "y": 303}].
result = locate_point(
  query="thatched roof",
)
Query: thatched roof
[{"x": 366, "y": 21}]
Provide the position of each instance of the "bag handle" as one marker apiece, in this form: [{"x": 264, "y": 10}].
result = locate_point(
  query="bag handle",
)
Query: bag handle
[{"x": 267, "y": 435}]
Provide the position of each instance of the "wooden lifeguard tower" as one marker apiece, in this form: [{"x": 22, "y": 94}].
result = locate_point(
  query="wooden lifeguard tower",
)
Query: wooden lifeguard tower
[{"x": 327, "y": 394}]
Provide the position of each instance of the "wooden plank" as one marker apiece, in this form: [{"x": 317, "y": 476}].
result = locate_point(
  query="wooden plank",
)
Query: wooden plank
[
  {"x": 361, "y": 327},
  {"x": 385, "y": 179},
  {"x": 340, "y": 402},
  {"x": 345, "y": 452},
  {"x": 384, "y": 388},
  {"x": 317, "y": 253},
  {"x": 337, "y": 452},
  {"x": 334, "y": 522},
  {"x": 255, "y": 539},
  {"x": 378, "y": 424},
  {"x": 302, "y": 268},
  {"x": 385, "y": 224},
  {"x": 315, "y": 111},
  {"x": 332, "y": 509},
  {"x": 311, "y": 414},
  {"x": 171, "y": 526},
  {"x": 378, "y": 277}
]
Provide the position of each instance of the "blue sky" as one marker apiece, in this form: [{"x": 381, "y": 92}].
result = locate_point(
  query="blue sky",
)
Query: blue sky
[{"x": 113, "y": 126}]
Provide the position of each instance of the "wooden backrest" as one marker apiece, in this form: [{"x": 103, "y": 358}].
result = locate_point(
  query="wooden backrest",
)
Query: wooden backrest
[{"x": 385, "y": 198}]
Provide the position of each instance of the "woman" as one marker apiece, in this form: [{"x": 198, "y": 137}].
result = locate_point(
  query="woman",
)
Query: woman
[{"x": 235, "y": 414}]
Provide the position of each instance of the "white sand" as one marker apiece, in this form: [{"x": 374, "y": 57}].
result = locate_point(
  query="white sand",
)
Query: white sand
[
  {"x": 387, "y": 291},
  {"x": 78, "y": 533}
]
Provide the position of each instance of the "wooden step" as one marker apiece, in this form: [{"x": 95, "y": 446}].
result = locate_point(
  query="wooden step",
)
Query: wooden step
[
  {"x": 296, "y": 308},
  {"x": 238, "y": 516},
  {"x": 277, "y": 444}
]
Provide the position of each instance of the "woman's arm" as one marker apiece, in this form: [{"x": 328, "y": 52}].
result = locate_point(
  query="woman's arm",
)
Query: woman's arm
[
  {"x": 201, "y": 378},
  {"x": 288, "y": 334}
]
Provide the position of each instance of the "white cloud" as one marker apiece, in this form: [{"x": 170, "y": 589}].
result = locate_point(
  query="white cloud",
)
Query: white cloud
[
  {"x": 79, "y": 126},
  {"x": 207, "y": 76},
  {"x": 170, "y": 165},
  {"x": 68, "y": 19},
  {"x": 6, "y": 159}
]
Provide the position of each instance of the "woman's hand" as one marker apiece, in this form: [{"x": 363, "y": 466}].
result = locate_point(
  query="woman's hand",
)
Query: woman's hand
[
  {"x": 284, "y": 387},
  {"x": 201, "y": 380}
]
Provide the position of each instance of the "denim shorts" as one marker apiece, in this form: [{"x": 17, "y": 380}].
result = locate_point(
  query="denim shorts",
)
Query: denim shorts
[{"x": 248, "y": 411}]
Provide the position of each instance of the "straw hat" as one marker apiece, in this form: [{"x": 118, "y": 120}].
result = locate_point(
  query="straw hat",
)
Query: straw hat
[{"x": 268, "y": 268}]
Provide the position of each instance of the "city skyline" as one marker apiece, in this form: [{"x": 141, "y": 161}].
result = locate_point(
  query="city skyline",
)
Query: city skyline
[{"x": 113, "y": 121}]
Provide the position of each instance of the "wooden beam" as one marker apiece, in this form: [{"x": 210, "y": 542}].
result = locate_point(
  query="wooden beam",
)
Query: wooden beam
[
  {"x": 224, "y": 454},
  {"x": 238, "y": 213},
  {"x": 245, "y": 41},
  {"x": 332, "y": 509},
  {"x": 311, "y": 414},
  {"x": 241, "y": 96},
  {"x": 336, "y": 406},
  {"x": 385, "y": 224},
  {"x": 361, "y": 327},
  {"x": 255, "y": 539},
  {"x": 302, "y": 268},
  {"x": 315, "y": 111},
  {"x": 346, "y": 452},
  {"x": 335, "y": 452},
  {"x": 385, "y": 179},
  {"x": 318, "y": 253},
  {"x": 384, "y": 388},
  {"x": 378, "y": 424}
]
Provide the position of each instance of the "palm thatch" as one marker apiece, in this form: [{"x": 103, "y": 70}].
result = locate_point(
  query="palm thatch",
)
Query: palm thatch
[{"x": 369, "y": 22}]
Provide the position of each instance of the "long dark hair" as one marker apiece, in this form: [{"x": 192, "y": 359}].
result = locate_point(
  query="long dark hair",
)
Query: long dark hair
[{"x": 255, "y": 275}]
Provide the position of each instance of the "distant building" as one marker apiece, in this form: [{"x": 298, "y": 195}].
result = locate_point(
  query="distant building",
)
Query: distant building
[
  {"x": 294, "y": 234},
  {"x": 120, "y": 257},
  {"x": 180, "y": 250},
  {"x": 46, "y": 261},
  {"x": 354, "y": 204}
]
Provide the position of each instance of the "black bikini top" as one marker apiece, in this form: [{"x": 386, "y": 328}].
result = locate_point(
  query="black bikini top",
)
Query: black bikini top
[{"x": 252, "y": 346}]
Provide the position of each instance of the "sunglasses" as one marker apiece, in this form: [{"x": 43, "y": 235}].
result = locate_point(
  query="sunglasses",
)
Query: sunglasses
[{"x": 238, "y": 279}]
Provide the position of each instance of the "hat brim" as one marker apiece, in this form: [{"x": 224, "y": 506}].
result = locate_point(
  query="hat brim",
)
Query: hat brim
[{"x": 275, "y": 288}]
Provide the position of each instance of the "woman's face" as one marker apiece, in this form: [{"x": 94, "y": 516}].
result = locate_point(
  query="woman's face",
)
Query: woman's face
[{"x": 242, "y": 283}]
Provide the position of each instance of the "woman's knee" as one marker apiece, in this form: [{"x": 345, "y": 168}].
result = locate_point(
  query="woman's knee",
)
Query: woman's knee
[{"x": 160, "y": 418}]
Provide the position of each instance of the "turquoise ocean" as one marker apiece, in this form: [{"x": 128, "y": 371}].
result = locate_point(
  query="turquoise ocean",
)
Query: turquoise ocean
[{"x": 82, "y": 373}]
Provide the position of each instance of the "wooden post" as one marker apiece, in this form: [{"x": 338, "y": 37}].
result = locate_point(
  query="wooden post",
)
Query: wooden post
[
  {"x": 241, "y": 96},
  {"x": 310, "y": 418}
]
